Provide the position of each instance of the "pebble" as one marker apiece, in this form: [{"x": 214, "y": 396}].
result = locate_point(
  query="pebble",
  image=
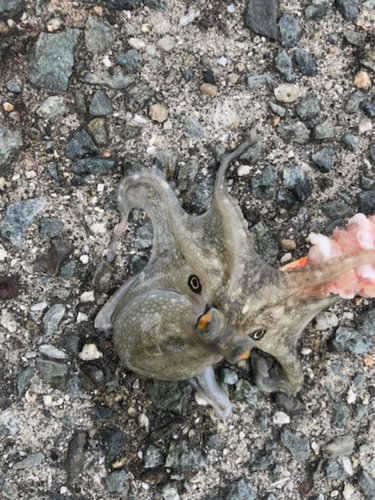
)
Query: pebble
[
  {"x": 3, "y": 253},
  {"x": 8, "y": 423},
  {"x": 80, "y": 145},
  {"x": 52, "y": 318},
  {"x": 362, "y": 80},
  {"x": 351, "y": 141},
  {"x": 52, "y": 59},
  {"x": 31, "y": 461},
  {"x": 284, "y": 66},
  {"x": 287, "y": 92},
  {"x": 92, "y": 166},
  {"x": 348, "y": 491},
  {"x": 261, "y": 17},
  {"x": 340, "y": 414},
  {"x": 247, "y": 393},
  {"x": 53, "y": 372},
  {"x": 136, "y": 43},
  {"x": 366, "y": 202},
  {"x": 369, "y": 110},
  {"x": 98, "y": 129},
  {"x": 189, "y": 17},
  {"x": 113, "y": 442},
  {"x": 348, "y": 9},
  {"x": 275, "y": 108},
  {"x": 10, "y": 143},
  {"x": 290, "y": 31},
  {"x": 50, "y": 262},
  {"x": 367, "y": 484},
  {"x": 158, "y": 113},
  {"x": 281, "y": 418},
  {"x": 308, "y": 107},
  {"x": 254, "y": 151},
  {"x": 187, "y": 174},
  {"x": 18, "y": 217},
  {"x": 76, "y": 455},
  {"x": 54, "y": 24},
  {"x": 243, "y": 170},
  {"x": 131, "y": 60},
  {"x": 8, "y": 107},
  {"x": 355, "y": 38},
  {"x": 193, "y": 127},
  {"x": 101, "y": 104},
  {"x": 170, "y": 396},
  {"x": 23, "y": 380},
  {"x": 296, "y": 182},
  {"x": 166, "y": 43},
  {"x": 116, "y": 481},
  {"x": 14, "y": 86},
  {"x": 341, "y": 446},
  {"x": 50, "y": 227},
  {"x": 298, "y": 445},
  {"x": 99, "y": 36},
  {"x": 294, "y": 132},
  {"x": 323, "y": 159},
  {"x": 264, "y": 242},
  {"x": 144, "y": 236},
  {"x": 90, "y": 352},
  {"x": 354, "y": 102},
  {"x": 182, "y": 456},
  {"x": 9, "y": 287},
  {"x": 325, "y": 130},
  {"x": 87, "y": 297},
  {"x": 153, "y": 457},
  {"x": 334, "y": 470},
  {"x": 123, "y": 4},
  {"x": 348, "y": 339},
  {"x": 8, "y": 322},
  {"x": 117, "y": 80},
  {"x": 336, "y": 209},
  {"x": 287, "y": 244},
  {"x": 209, "y": 89},
  {"x": 53, "y": 108},
  {"x": 326, "y": 320},
  {"x": 305, "y": 63},
  {"x": 258, "y": 81},
  {"x": 318, "y": 9},
  {"x": 167, "y": 160},
  {"x": 241, "y": 489},
  {"x": 52, "y": 351}
]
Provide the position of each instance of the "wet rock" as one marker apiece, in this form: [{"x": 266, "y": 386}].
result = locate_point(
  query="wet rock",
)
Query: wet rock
[
  {"x": 318, "y": 9},
  {"x": 261, "y": 17},
  {"x": 52, "y": 352},
  {"x": 340, "y": 414},
  {"x": 367, "y": 484},
  {"x": 153, "y": 457},
  {"x": 336, "y": 209},
  {"x": 11, "y": 8},
  {"x": 334, "y": 470},
  {"x": 50, "y": 262},
  {"x": 52, "y": 319},
  {"x": 113, "y": 442},
  {"x": 123, "y": 4},
  {"x": 92, "y": 166},
  {"x": 298, "y": 445},
  {"x": 8, "y": 424},
  {"x": 187, "y": 174},
  {"x": 308, "y": 107},
  {"x": 101, "y": 104},
  {"x": 9, "y": 287},
  {"x": 287, "y": 92},
  {"x": 52, "y": 60},
  {"x": 23, "y": 380},
  {"x": 254, "y": 151},
  {"x": 80, "y": 145},
  {"x": 305, "y": 63},
  {"x": 31, "y": 461},
  {"x": 10, "y": 143},
  {"x": 325, "y": 130},
  {"x": 53, "y": 108},
  {"x": 117, "y": 81},
  {"x": 131, "y": 60},
  {"x": 258, "y": 81},
  {"x": 247, "y": 393},
  {"x": 171, "y": 396},
  {"x": 116, "y": 481},
  {"x": 200, "y": 196},
  {"x": 193, "y": 127},
  {"x": 263, "y": 185},
  {"x": 99, "y": 132},
  {"x": 18, "y": 217},
  {"x": 99, "y": 36},
  {"x": 350, "y": 141},
  {"x": 294, "y": 132},
  {"x": 53, "y": 372},
  {"x": 265, "y": 244},
  {"x": 241, "y": 489},
  {"x": 75, "y": 458},
  {"x": 284, "y": 66},
  {"x": 341, "y": 446},
  {"x": 348, "y": 339},
  {"x": 348, "y": 9},
  {"x": 50, "y": 227},
  {"x": 290, "y": 31},
  {"x": 167, "y": 161},
  {"x": 323, "y": 159},
  {"x": 182, "y": 456}
]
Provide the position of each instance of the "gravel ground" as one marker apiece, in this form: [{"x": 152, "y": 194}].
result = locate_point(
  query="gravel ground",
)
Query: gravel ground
[{"x": 88, "y": 91}]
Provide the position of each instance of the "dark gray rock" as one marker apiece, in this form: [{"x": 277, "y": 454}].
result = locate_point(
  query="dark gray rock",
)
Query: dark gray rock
[
  {"x": 294, "y": 132},
  {"x": 296, "y": 182},
  {"x": 318, "y": 9},
  {"x": 366, "y": 323},
  {"x": 354, "y": 102},
  {"x": 261, "y": 17},
  {"x": 99, "y": 36},
  {"x": 323, "y": 159},
  {"x": 131, "y": 60},
  {"x": 367, "y": 485},
  {"x": 325, "y": 130},
  {"x": 138, "y": 97},
  {"x": 209, "y": 77},
  {"x": 305, "y": 63},
  {"x": 75, "y": 458},
  {"x": 99, "y": 132},
  {"x": 182, "y": 456},
  {"x": 30, "y": 461},
  {"x": 366, "y": 202},
  {"x": 80, "y": 145},
  {"x": 263, "y": 185},
  {"x": 193, "y": 127},
  {"x": 116, "y": 481},
  {"x": 144, "y": 236},
  {"x": 241, "y": 489},
  {"x": 160, "y": 5},
  {"x": 53, "y": 372},
  {"x": 187, "y": 74},
  {"x": 153, "y": 457},
  {"x": 336, "y": 209},
  {"x": 277, "y": 109},
  {"x": 100, "y": 104},
  {"x": 258, "y": 81},
  {"x": 167, "y": 160},
  {"x": 117, "y": 81},
  {"x": 308, "y": 107},
  {"x": 136, "y": 265},
  {"x": 52, "y": 319},
  {"x": 254, "y": 151},
  {"x": 23, "y": 380},
  {"x": 290, "y": 31},
  {"x": 51, "y": 261},
  {"x": 334, "y": 470},
  {"x": 348, "y": 339},
  {"x": 50, "y": 227},
  {"x": 369, "y": 109},
  {"x": 200, "y": 196},
  {"x": 52, "y": 59},
  {"x": 67, "y": 271},
  {"x": 52, "y": 169},
  {"x": 92, "y": 166},
  {"x": 129, "y": 132},
  {"x": 348, "y": 9},
  {"x": 14, "y": 86},
  {"x": 53, "y": 108},
  {"x": 247, "y": 393},
  {"x": 340, "y": 414},
  {"x": 219, "y": 151},
  {"x": 298, "y": 445},
  {"x": 372, "y": 153},
  {"x": 187, "y": 174},
  {"x": 8, "y": 423},
  {"x": 171, "y": 396},
  {"x": 284, "y": 66},
  {"x": 123, "y": 4},
  {"x": 10, "y": 143},
  {"x": 355, "y": 38},
  {"x": 113, "y": 443},
  {"x": 341, "y": 446},
  {"x": 351, "y": 141},
  {"x": 18, "y": 217},
  {"x": 264, "y": 242}
]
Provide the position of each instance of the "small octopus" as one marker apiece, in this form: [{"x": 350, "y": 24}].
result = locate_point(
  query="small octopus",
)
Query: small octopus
[{"x": 206, "y": 295}]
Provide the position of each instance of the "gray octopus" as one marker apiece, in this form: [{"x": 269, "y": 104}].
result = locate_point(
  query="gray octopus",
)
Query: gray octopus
[{"x": 205, "y": 294}]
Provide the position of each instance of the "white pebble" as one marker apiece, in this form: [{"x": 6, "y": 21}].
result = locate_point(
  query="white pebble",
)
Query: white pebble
[
  {"x": 84, "y": 259},
  {"x": 306, "y": 351},
  {"x": 287, "y": 92},
  {"x": 40, "y": 306},
  {"x": 54, "y": 24},
  {"x": 222, "y": 61},
  {"x": 90, "y": 352},
  {"x": 81, "y": 317},
  {"x": 3, "y": 253},
  {"x": 348, "y": 491},
  {"x": 166, "y": 43},
  {"x": 144, "y": 421},
  {"x": 365, "y": 125},
  {"x": 189, "y": 17},
  {"x": 87, "y": 297},
  {"x": 286, "y": 257},
  {"x": 351, "y": 396},
  {"x": 346, "y": 462},
  {"x": 281, "y": 418},
  {"x": 8, "y": 322},
  {"x": 107, "y": 62},
  {"x": 231, "y": 8},
  {"x": 47, "y": 400},
  {"x": 243, "y": 170},
  {"x": 326, "y": 320},
  {"x": 315, "y": 447},
  {"x": 100, "y": 188},
  {"x": 30, "y": 174},
  {"x": 158, "y": 113},
  {"x": 136, "y": 43},
  {"x": 200, "y": 399}
]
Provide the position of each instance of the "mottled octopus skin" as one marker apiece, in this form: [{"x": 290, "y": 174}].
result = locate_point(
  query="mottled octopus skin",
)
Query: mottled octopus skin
[{"x": 154, "y": 315}]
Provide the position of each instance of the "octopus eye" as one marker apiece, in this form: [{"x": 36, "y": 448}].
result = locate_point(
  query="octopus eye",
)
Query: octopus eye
[
  {"x": 194, "y": 284},
  {"x": 258, "y": 334}
]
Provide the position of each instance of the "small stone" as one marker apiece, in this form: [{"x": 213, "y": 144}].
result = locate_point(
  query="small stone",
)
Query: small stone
[
  {"x": 354, "y": 102},
  {"x": 298, "y": 445},
  {"x": 263, "y": 186},
  {"x": 290, "y": 31},
  {"x": 182, "y": 456},
  {"x": 193, "y": 127},
  {"x": 187, "y": 174},
  {"x": 144, "y": 236},
  {"x": 355, "y": 37},
  {"x": 318, "y": 9},
  {"x": 9, "y": 287},
  {"x": 18, "y": 217},
  {"x": 305, "y": 63},
  {"x": 8, "y": 107},
  {"x": 131, "y": 60},
  {"x": 80, "y": 145},
  {"x": 31, "y": 461},
  {"x": 340, "y": 414},
  {"x": 75, "y": 458},
  {"x": 170, "y": 396},
  {"x": 153, "y": 457},
  {"x": 369, "y": 110},
  {"x": 8, "y": 424},
  {"x": 54, "y": 24},
  {"x": 67, "y": 271},
  {"x": 52, "y": 319},
  {"x": 254, "y": 151},
  {"x": 294, "y": 132},
  {"x": 92, "y": 166},
  {"x": 348, "y": 491},
  {"x": 362, "y": 80},
  {"x": 228, "y": 376},
  {"x": 101, "y": 104},
  {"x": 348, "y": 339},
  {"x": 113, "y": 441},
  {"x": 50, "y": 262},
  {"x": 10, "y": 143},
  {"x": 326, "y": 320},
  {"x": 258, "y": 81},
  {"x": 334, "y": 470},
  {"x": 9, "y": 491},
  {"x": 247, "y": 393},
  {"x": 167, "y": 161},
  {"x": 158, "y": 113},
  {"x": 241, "y": 489},
  {"x": 348, "y": 9},
  {"x": 209, "y": 89},
  {"x": 50, "y": 227},
  {"x": 52, "y": 352},
  {"x": 14, "y": 86},
  {"x": 264, "y": 242},
  {"x": 243, "y": 170},
  {"x": 99, "y": 36},
  {"x": 366, "y": 202},
  {"x": 23, "y": 380},
  {"x": 308, "y": 107},
  {"x": 281, "y": 418},
  {"x": 323, "y": 159},
  {"x": 278, "y": 110},
  {"x": 261, "y": 17},
  {"x": 136, "y": 44},
  {"x": 336, "y": 209},
  {"x": 116, "y": 481},
  {"x": 350, "y": 141},
  {"x": 341, "y": 446},
  {"x": 287, "y": 244},
  {"x": 166, "y": 43},
  {"x": 325, "y": 130},
  {"x": 287, "y": 92},
  {"x": 90, "y": 352},
  {"x": 364, "y": 182},
  {"x": 99, "y": 132},
  {"x": 123, "y": 4},
  {"x": 200, "y": 196},
  {"x": 367, "y": 484},
  {"x": 117, "y": 81},
  {"x": 53, "y": 372},
  {"x": 170, "y": 492},
  {"x": 53, "y": 108},
  {"x": 284, "y": 66}
]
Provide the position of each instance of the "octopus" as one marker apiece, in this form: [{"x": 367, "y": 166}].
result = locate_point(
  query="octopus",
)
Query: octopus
[{"x": 205, "y": 294}]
